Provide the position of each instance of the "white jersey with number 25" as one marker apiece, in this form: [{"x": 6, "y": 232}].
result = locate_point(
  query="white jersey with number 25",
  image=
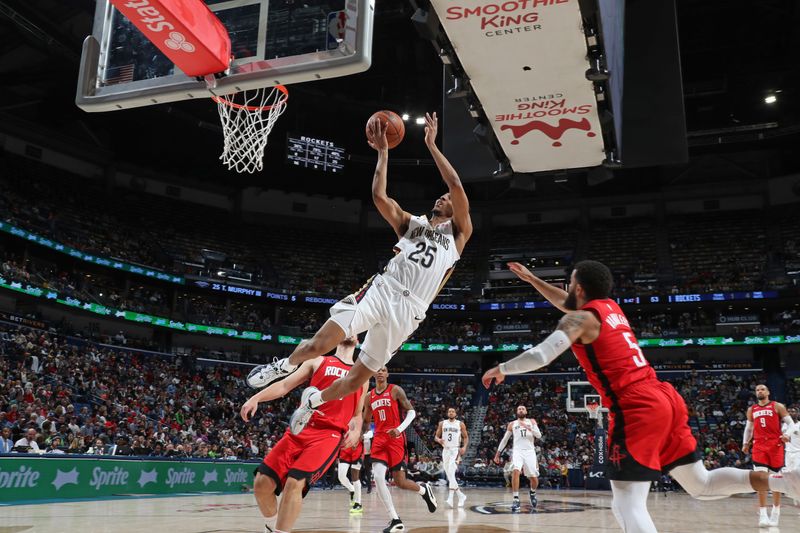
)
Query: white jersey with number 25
[{"x": 424, "y": 258}]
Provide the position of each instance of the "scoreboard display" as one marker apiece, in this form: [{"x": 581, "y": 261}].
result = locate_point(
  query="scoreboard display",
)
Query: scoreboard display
[{"x": 319, "y": 154}]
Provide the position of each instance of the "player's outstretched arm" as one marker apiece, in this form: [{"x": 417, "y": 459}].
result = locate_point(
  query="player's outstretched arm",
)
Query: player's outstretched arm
[
  {"x": 399, "y": 395},
  {"x": 573, "y": 327},
  {"x": 503, "y": 443},
  {"x": 389, "y": 209},
  {"x": 748, "y": 431},
  {"x": 279, "y": 389},
  {"x": 461, "y": 217},
  {"x": 463, "y": 451},
  {"x": 552, "y": 294}
]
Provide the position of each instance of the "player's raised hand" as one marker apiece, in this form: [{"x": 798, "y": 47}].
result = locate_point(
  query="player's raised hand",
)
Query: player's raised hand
[
  {"x": 521, "y": 271},
  {"x": 248, "y": 409},
  {"x": 376, "y": 135},
  {"x": 492, "y": 375},
  {"x": 431, "y": 128}
]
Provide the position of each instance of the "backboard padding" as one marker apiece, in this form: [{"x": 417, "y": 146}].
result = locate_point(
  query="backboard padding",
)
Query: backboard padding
[{"x": 273, "y": 42}]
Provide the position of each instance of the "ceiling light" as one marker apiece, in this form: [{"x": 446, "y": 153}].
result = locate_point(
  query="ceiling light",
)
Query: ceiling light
[
  {"x": 405, "y": 117},
  {"x": 419, "y": 121},
  {"x": 771, "y": 99}
]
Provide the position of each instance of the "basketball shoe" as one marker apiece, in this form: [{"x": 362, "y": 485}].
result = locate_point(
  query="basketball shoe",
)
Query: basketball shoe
[
  {"x": 303, "y": 414},
  {"x": 395, "y": 525},
  {"x": 264, "y": 375},
  {"x": 429, "y": 497}
]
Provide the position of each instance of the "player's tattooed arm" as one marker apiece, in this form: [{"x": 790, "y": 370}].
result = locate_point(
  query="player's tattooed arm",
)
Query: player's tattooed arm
[
  {"x": 400, "y": 397},
  {"x": 438, "y": 437},
  {"x": 464, "y": 440},
  {"x": 580, "y": 326}
]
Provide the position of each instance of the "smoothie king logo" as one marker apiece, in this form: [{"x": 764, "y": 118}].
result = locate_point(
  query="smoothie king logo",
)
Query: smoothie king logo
[{"x": 546, "y": 114}]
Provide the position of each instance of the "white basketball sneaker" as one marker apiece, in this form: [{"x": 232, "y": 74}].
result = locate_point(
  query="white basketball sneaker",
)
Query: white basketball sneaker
[
  {"x": 763, "y": 519},
  {"x": 461, "y": 499},
  {"x": 775, "y": 517},
  {"x": 264, "y": 375},
  {"x": 303, "y": 414}
]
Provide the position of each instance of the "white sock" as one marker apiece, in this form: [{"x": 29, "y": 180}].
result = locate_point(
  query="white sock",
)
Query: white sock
[
  {"x": 379, "y": 472},
  {"x": 629, "y": 506},
  {"x": 316, "y": 399},
  {"x": 422, "y": 489},
  {"x": 776, "y": 508},
  {"x": 344, "y": 469},
  {"x": 287, "y": 366},
  {"x": 357, "y": 497},
  {"x": 272, "y": 521},
  {"x": 762, "y": 511},
  {"x": 516, "y": 495}
]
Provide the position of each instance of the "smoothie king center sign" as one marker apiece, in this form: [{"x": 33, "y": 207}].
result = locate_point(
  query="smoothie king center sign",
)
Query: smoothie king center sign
[{"x": 526, "y": 61}]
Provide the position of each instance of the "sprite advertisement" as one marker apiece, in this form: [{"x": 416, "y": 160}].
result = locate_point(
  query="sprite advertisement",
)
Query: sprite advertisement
[{"x": 28, "y": 477}]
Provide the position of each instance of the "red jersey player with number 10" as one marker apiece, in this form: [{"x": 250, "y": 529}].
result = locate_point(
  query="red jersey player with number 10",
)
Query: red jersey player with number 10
[
  {"x": 389, "y": 444},
  {"x": 648, "y": 421}
]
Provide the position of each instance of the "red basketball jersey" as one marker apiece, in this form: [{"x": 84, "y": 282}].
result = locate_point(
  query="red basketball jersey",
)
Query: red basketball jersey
[
  {"x": 335, "y": 414},
  {"x": 385, "y": 410},
  {"x": 614, "y": 360},
  {"x": 766, "y": 424}
]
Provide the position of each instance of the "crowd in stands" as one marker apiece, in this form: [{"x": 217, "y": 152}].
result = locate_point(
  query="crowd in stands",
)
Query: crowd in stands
[
  {"x": 59, "y": 394},
  {"x": 720, "y": 251}
]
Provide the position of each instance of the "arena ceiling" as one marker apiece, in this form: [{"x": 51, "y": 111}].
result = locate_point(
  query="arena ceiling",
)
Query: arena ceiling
[{"x": 733, "y": 54}]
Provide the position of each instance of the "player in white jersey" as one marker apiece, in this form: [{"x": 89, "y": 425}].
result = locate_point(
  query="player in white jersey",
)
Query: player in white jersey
[
  {"x": 791, "y": 436},
  {"x": 390, "y": 306},
  {"x": 449, "y": 434},
  {"x": 523, "y": 456}
]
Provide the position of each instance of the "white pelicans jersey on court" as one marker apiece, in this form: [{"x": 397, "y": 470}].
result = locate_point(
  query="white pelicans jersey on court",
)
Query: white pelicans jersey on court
[
  {"x": 523, "y": 456},
  {"x": 524, "y": 431},
  {"x": 424, "y": 258},
  {"x": 451, "y": 433}
]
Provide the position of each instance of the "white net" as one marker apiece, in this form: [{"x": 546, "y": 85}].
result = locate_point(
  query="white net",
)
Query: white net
[
  {"x": 594, "y": 410},
  {"x": 247, "y": 119}
]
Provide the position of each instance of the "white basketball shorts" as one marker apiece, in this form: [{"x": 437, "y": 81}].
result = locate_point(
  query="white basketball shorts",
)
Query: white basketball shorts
[
  {"x": 792, "y": 461},
  {"x": 449, "y": 455},
  {"x": 525, "y": 460},
  {"x": 387, "y": 312}
]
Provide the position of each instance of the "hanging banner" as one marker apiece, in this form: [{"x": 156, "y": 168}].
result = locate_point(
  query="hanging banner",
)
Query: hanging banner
[{"x": 526, "y": 62}]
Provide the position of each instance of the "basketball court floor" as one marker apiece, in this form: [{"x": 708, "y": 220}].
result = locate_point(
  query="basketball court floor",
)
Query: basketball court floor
[{"x": 326, "y": 511}]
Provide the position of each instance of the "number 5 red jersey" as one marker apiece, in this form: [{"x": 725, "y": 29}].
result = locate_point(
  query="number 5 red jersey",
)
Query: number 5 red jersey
[
  {"x": 385, "y": 410},
  {"x": 614, "y": 360}
]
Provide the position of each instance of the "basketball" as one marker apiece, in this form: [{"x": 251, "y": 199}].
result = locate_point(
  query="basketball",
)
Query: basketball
[{"x": 395, "y": 129}]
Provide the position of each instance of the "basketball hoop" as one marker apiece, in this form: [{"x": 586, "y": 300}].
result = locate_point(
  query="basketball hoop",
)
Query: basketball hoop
[
  {"x": 247, "y": 119},
  {"x": 594, "y": 410}
]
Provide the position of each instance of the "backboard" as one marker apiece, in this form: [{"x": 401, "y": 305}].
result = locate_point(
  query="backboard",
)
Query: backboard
[
  {"x": 581, "y": 393},
  {"x": 273, "y": 42}
]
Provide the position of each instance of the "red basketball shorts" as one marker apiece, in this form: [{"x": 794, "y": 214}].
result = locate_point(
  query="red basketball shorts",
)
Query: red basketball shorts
[
  {"x": 389, "y": 451},
  {"x": 649, "y": 433},
  {"x": 305, "y": 456},
  {"x": 768, "y": 455},
  {"x": 352, "y": 455}
]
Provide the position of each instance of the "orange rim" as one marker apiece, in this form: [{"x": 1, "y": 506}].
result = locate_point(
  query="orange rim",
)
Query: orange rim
[{"x": 281, "y": 88}]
